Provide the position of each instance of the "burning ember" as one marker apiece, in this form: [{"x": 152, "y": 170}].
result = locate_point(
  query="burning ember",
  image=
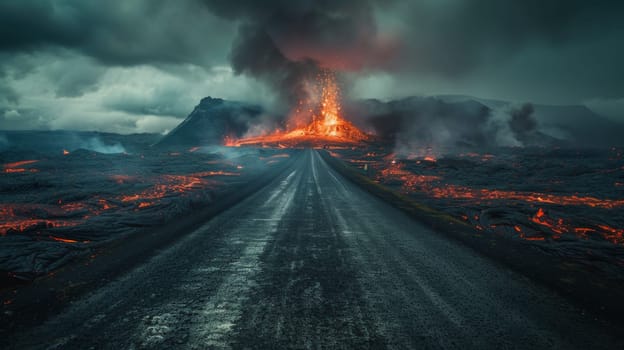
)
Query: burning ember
[{"x": 327, "y": 126}]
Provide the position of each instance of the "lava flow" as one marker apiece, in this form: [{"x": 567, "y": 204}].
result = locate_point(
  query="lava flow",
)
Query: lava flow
[
  {"x": 541, "y": 226},
  {"x": 327, "y": 127},
  {"x": 430, "y": 184},
  {"x": 20, "y": 218},
  {"x": 18, "y": 167}
]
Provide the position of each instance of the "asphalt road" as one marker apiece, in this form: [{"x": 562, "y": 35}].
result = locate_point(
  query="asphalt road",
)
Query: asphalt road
[{"x": 311, "y": 261}]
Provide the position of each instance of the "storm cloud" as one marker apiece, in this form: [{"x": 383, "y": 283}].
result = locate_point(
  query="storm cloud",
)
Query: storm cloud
[
  {"x": 562, "y": 52},
  {"x": 117, "y": 64},
  {"x": 116, "y": 32},
  {"x": 453, "y": 37}
]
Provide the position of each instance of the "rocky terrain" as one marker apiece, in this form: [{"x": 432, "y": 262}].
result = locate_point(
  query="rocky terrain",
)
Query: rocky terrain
[{"x": 55, "y": 206}]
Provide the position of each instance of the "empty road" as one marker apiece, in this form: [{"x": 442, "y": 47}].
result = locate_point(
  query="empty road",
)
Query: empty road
[{"x": 312, "y": 261}]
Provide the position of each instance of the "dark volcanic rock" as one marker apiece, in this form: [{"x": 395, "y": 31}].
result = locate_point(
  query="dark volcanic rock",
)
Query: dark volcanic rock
[
  {"x": 211, "y": 121},
  {"x": 54, "y": 207}
]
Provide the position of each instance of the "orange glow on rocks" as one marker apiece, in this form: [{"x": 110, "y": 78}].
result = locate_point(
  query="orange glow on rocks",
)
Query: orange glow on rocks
[
  {"x": 613, "y": 234},
  {"x": 327, "y": 126},
  {"x": 18, "y": 218},
  {"x": 412, "y": 182},
  {"x": 169, "y": 185},
  {"x": 461, "y": 192},
  {"x": 560, "y": 227},
  {"x": 18, "y": 167},
  {"x": 19, "y": 164},
  {"x": 63, "y": 240},
  {"x": 122, "y": 179},
  {"x": 556, "y": 226},
  {"x": 553, "y": 221}
]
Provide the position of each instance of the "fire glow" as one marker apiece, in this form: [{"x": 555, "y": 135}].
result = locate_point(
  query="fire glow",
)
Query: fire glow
[
  {"x": 19, "y": 218},
  {"x": 18, "y": 167},
  {"x": 171, "y": 184},
  {"x": 413, "y": 182},
  {"x": 541, "y": 222},
  {"x": 22, "y": 217},
  {"x": 327, "y": 126},
  {"x": 560, "y": 227}
]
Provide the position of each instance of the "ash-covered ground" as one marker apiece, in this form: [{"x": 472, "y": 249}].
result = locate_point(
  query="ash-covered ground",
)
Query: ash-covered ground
[
  {"x": 565, "y": 202},
  {"x": 56, "y": 205}
]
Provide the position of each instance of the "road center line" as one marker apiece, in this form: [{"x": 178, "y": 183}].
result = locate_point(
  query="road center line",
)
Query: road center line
[{"x": 220, "y": 314}]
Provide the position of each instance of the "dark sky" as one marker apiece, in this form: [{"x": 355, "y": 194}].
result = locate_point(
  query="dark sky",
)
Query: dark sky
[{"x": 133, "y": 66}]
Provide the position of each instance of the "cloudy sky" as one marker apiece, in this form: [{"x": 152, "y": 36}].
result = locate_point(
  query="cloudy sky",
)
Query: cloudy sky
[{"x": 140, "y": 66}]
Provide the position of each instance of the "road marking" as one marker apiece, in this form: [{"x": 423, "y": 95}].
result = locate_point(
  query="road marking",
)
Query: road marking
[
  {"x": 219, "y": 315},
  {"x": 315, "y": 173},
  {"x": 281, "y": 187},
  {"x": 330, "y": 172}
]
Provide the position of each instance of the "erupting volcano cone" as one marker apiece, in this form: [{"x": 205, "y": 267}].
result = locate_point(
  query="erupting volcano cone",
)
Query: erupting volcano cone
[{"x": 327, "y": 127}]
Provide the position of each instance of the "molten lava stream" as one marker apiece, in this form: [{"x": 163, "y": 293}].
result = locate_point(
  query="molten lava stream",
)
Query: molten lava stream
[
  {"x": 424, "y": 183},
  {"x": 17, "y": 167},
  {"x": 560, "y": 227},
  {"x": 429, "y": 185},
  {"x": 327, "y": 126}
]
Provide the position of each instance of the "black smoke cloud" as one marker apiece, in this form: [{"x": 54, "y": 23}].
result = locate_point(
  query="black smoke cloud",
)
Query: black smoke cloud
[
  {"x": 557, "y": 51},
  {"x": 255, "y": 53},
  {"x": 287, "y": 43},
  {"x": 522, "y": 121},
  {"x": 341, "y": 35},
  {"x": 454, "y": 123},
  {"x": 416, "y": 124}
]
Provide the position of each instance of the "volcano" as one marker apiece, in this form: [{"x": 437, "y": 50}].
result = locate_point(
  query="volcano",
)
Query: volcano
[
  {"x": 209, "y": 121},
  {"x": 327, "y": 127}
]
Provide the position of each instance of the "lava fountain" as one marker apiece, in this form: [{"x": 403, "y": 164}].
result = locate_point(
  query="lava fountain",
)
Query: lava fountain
[{"x": 326, "y": 127}]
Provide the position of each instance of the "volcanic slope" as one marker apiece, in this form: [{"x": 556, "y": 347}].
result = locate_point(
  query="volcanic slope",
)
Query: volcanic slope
[{"x": 311, "y": 261}]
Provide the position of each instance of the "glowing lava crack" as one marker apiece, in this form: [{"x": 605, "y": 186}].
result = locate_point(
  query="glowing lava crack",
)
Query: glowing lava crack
[{"x": 326, "y": 128}]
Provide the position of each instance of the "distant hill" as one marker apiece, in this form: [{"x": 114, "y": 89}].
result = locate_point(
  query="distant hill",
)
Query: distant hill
[
  {"x": 575, "y": 123},
  {"x": 447, "y": 121},
  {"x": 456, "y": 120},
  {"x": 211, "y": 121},
  {"x": 55, "y": 141}
]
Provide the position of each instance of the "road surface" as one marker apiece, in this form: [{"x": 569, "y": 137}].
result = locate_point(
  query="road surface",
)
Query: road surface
[{"x": 310, "y": 262}]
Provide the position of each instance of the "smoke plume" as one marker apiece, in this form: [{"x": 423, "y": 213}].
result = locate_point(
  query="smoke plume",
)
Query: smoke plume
[
  {"x": 287, "y": 43},
  {"x": 416, "y": 124},
  {"x": 522, "y": 121}
]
